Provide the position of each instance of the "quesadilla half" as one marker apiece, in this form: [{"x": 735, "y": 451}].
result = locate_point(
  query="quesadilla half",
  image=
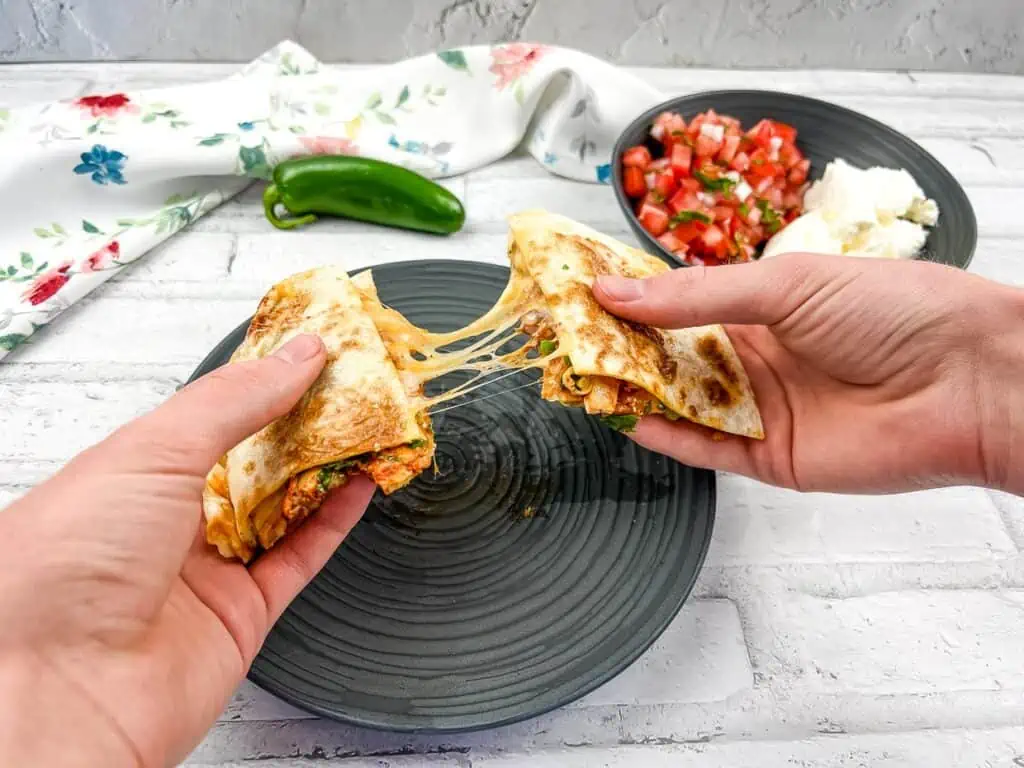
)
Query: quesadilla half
[
  {"x": 360, "y": 415},
  {"x": 614, "y": 368}
]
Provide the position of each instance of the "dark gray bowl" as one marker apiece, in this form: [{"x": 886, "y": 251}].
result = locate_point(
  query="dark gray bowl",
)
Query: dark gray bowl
[{"x": 824, "y": 132}]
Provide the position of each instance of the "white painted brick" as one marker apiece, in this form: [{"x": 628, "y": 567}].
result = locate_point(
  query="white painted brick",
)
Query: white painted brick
[
  {"x": 997, "y": 210},
  {"x": 253, "y": 703},
  {"x": 188, "y": 256},
  {"x": 830, "y": 83},
  {"x": 493, "y": 200},
  {"x": 1012, "y": 510},
  {"x": 913, "y": 642},
  {"x": 990, "y": 160},
  {"x": 265, "y": 259},
  {"x": 961, "y": 748},
  {"x": 758, "y": 525},
  {"x": 702, "y": 656},
  {"x": 1000, "y": 259},
  {"x": 54, "y": 421}
]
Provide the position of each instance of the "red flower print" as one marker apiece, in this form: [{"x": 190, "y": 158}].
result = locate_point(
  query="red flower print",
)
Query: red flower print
[
  {"x": 103, "y": 258},
  {"x": 47, "y": 284},
  {"x": 512, "y": 61},
  {"x": 326, "y": 145},
  {"x": 106, "y": 106}
]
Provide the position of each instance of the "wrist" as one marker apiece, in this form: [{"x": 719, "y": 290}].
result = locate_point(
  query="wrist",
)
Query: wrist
[{"x": 998, "y": 373}]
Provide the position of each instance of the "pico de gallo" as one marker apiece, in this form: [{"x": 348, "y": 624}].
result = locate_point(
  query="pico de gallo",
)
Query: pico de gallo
[{"x": 712, "y": 193}]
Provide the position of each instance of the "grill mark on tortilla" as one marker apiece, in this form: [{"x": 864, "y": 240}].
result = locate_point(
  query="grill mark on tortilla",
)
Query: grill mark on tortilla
[
  {"x": 249, "y": 467},
  {"x": 710, "y": 350},
  {"x": 717, "y": 395},
  {"x": 283, "y": 307}
]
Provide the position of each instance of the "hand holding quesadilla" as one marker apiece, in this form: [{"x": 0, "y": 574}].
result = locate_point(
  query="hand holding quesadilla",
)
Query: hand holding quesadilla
[{"x": 869, "y": 374}]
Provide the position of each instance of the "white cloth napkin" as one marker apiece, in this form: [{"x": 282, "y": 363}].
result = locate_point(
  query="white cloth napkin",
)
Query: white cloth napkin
[{"x": 89, "y": 185}]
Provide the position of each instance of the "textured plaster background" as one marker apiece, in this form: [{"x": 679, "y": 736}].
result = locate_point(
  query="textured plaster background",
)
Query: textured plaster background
[{"x": 982, "y": 36}]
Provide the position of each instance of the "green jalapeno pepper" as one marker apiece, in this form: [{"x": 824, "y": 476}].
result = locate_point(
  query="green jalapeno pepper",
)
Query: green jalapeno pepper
[{"x": 359, "y": 188}]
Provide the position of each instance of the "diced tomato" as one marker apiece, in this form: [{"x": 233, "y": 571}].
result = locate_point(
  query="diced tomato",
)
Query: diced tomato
[
  {"x": 791, "y": 199},
  {"x": 639, "y": 157},
  {"x": 670, "y": 242},
  {"x": 689, "y": 230},
  {"x": 799, "y": 173},
  {"x": 654, "y": 218},
  {"x": 706, "y": 146},
  {"x": 633, "y": 183},
  {"x": 722, "y": 213},
  {"x": 729, "y": 147},
  {"x": 785, "y": 132},
  {"x": 664, "y": 183},
  {"x": 680, "y": 159},
  {"x": 684, "y": 200},
  {"x": 789, "y": 155},
  {"x": 741, "y": 162},
  {"x": 669, "y": 194},
  {"x": 714, "y": 240}
]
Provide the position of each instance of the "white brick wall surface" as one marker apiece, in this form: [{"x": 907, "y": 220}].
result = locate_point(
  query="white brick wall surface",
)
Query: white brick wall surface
[{"x": 824, "y": 630}]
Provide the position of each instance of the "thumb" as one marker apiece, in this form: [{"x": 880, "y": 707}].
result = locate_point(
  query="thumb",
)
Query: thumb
[
  {"x": 196, "y": 426},
  {"x": 758, "y": 293}
]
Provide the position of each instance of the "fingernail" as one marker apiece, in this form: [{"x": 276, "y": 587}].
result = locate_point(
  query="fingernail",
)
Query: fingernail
[
  {"x": 621, "y": 288},
  {"x": 300, "y": 349}
]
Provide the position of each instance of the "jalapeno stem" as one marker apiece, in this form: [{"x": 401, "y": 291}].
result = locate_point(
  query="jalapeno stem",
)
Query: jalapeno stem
[{"x": 271, "y": 197}]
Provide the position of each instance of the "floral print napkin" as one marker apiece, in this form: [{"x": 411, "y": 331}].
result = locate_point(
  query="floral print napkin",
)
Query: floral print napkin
[{"x": 89, "y": 185}]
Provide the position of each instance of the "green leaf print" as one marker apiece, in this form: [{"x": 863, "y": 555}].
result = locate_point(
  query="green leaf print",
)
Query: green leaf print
[
  {"x": 322, "y": 108},
  {"x": 385, "y": 118},
  {"x": 11, "y": 340},
  {"x": 254, "y": 162},
  {"x": 402, "y": 97},
  {"x": 26, "y": 261},
  {"x": 213, "y": 141},
  {"x": 88, "y": 226},
  {"x": 40, "y": 232},
  {"x": 58, "y": 229},
  {"x": 374, "y": 101},
  {"x": 12, "y": 270},
  {"x": 455, "y": 59}
]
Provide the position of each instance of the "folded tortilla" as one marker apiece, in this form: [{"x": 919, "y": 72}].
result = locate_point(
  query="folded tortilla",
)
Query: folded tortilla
[
  {"x": 610, "y": 366},
  {"x": 358, "y": 416}
]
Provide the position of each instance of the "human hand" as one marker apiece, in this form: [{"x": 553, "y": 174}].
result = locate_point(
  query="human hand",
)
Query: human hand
[
  {"x": 122, "y": 634},
  {"x": 871, "y": 376}
]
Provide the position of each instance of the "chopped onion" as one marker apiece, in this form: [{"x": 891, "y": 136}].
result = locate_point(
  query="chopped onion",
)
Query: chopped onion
[
  {"x": 732, "y": 175},
  {"x": 713, "y": 132},
  {"x": 657, "y": 131},
  {"x": 649, "y": 179},
  {"x": 742, "y": 191},
  {"x": 776, "y": 143}
]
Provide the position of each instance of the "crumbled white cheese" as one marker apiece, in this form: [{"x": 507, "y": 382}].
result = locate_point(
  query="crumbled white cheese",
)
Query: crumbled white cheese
[{"x": 875, "y": 212}]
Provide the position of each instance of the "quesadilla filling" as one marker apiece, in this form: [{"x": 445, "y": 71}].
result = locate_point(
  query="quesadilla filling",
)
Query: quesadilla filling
[
  {"x": 619, "y": 404},
  {"x": 389, "y": 469}
]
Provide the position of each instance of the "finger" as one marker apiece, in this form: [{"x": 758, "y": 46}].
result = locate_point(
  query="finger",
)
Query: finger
[
  {"x": 695, "y": 446},
  {"x": 283, "y": 571},
  {"x": 215, "y": 413},
  {"x": 758, "y": 293}
]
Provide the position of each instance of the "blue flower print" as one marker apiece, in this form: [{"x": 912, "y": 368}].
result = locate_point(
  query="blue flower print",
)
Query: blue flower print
[
  {"x": 246, "y": 125},
  {"x": 604, "y": 173},
  {"x": 550, "y": 158},
  {"x": 102, "y": 164}
]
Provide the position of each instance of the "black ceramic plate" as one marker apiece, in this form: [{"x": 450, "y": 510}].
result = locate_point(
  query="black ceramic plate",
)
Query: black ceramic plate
[
  {"x": 546, "y": 556},
  {"x": 825, "y": 132}
]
